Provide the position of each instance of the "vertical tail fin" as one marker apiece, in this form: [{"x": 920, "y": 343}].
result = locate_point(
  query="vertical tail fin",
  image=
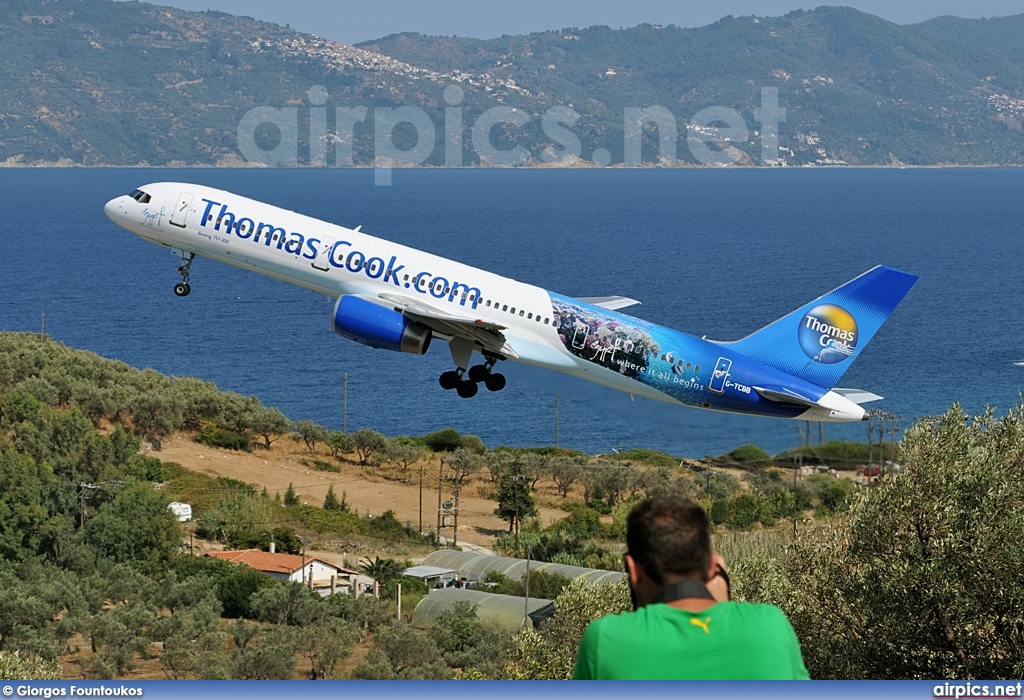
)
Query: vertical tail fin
[{"x": 820, "y": 340}]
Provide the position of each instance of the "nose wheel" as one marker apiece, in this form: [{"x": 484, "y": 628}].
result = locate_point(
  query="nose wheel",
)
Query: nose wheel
[{"x": 182, "y": 289}]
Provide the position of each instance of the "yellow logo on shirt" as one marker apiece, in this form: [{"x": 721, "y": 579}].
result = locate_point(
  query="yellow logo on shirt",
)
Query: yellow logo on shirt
[{"x": 703, "y": 624}]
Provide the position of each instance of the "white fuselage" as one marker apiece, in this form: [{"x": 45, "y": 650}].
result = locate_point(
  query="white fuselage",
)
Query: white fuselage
[{"x": 338, "y": 261}]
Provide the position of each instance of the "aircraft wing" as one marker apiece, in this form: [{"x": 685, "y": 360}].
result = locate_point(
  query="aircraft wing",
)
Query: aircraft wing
[
  {"x": 488, "y": 335},
  {"x": 610, "y": 303}
]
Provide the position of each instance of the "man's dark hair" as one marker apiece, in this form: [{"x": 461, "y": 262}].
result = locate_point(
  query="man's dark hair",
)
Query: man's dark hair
[{"x": 670, "y": 537}]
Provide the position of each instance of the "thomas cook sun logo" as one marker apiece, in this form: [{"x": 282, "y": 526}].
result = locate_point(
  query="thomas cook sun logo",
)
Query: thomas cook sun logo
[{"x": 828, "y": 334}]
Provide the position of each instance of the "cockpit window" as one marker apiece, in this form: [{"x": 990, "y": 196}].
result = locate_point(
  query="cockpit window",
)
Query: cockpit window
[{"x": 140, "y": 196}]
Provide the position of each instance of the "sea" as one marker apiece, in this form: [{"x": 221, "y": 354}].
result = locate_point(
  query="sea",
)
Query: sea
[{"x": 716, "y": 253}]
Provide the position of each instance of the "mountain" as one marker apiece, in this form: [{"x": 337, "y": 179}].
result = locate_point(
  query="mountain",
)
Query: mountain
[
  {"x": 98, "y": 82},
  {"x": 124, "y": 83},
  {"x": 856, "y": 88}
]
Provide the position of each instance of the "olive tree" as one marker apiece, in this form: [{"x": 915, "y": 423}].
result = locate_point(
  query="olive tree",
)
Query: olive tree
[
  {"x": 550, "y": 652},
  {"x": 923, "y": 577}
]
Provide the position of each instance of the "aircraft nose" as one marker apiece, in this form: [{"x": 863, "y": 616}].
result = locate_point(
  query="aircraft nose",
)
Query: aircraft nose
[{"x": 114, "y": 209}]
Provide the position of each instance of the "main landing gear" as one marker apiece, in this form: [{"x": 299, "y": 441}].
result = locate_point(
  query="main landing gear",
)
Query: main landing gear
[
  {"x": 467, "y": 383},
  {"x": 182, "y": 289}
]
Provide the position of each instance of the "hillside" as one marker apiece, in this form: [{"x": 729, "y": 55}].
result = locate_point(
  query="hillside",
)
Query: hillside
[
  {"x": 856, "y": 88},
  {"x": 98, "y": 82},
  {"x": 101, "y": 82}
]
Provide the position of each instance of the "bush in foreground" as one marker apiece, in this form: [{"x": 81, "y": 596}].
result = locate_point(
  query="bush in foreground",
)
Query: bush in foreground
[{"x": 924, "y": 578}]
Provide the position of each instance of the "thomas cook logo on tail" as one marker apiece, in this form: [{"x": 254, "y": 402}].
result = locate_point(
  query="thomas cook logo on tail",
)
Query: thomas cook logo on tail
[{"x": 828, "y": 334}]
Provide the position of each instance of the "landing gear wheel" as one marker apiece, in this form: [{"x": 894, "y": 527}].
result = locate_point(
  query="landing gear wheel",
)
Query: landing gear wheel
[
  {"x": 449, "y": 380},
  {"x": 495, "y": 382},
  {"x": 478, "y": 373},
  {"x": 467, "y": 389},
  {"x": 182, "y": 289}
]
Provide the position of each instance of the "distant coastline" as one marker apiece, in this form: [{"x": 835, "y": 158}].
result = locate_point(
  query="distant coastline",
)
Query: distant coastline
[{"x": 750, "y": 91}]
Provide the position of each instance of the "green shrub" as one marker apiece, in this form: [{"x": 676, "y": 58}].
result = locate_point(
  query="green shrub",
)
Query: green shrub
[
  {"x": 924, "y": 578},
  {"x": 721, "y": 510},
  {"x": 745, "y": 511},
  {"x": 28, "y": 667},
  {"x": 473, "y": 444},
  {"x": 215, "y": 436},
  {"x": 322, "y": 466},
  {"x": 643, "y": 456},
  {"x": 285, "y": 540},
  {"x": 582, "y": 522},
  {"x": 447, "y": 440},
  {"x": 237, "y": 588},
  {"x": 835, "y": 453},
  {"x": 146, "y": 468},
  {"x": 747, "y": 455}
]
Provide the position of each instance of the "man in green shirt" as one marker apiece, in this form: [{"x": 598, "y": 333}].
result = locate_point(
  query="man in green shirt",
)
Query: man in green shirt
[{"x": 684, "y": 626}]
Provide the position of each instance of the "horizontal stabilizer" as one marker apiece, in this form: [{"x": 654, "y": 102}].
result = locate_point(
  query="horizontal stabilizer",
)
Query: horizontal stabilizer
[
  {"x": 610, "y": 303},
  {"x": 858, "y": 395},
  {"x": 784, "y": 395}
]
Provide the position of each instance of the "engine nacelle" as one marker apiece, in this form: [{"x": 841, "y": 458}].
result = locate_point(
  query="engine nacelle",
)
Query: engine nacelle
[{"x": 378, "y": 326}]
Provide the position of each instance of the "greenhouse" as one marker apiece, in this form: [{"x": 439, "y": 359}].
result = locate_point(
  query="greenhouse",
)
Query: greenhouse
[
  {"x": 477, "y": 566},
  {"x": 503, "y": 611}
]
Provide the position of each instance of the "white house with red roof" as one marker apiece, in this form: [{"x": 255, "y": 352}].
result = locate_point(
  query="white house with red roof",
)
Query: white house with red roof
[{"x": 320, "y": 575}]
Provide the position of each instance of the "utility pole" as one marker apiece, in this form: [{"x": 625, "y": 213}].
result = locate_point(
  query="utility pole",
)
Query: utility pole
[
  {"x": 556, "y": 420},
  {"x": 515, "y": 491},
  {"x": 42, "y": 327},
  {"x": 398, "y": 611},
  {"x": 458, "y": 490},
  {"x": 881, "y": 440},
  {"x": 440, "y": 471},
  {"x": 892, "y": 436},
  {"x": 797, "y": 470},
  {"x": 344, "y": 410},
  {"x": 421, "y": 498},
  {"x": 871, "y": 436},
  {"x": 81, "y": 495},
  {"x": 821, "y": 432},
  {"x": 305, "y": 519},
  {"x": 526, "y": 601}
]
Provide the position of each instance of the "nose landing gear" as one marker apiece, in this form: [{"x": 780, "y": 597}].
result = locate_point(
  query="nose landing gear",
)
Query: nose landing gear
[{"x": 182, "y": 289}]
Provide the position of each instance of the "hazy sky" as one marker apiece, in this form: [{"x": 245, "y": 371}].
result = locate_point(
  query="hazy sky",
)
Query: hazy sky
[{"x": 352, "y": 22}]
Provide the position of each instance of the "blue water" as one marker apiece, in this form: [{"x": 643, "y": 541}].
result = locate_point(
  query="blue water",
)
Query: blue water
[{"x": 719, "y": 253}]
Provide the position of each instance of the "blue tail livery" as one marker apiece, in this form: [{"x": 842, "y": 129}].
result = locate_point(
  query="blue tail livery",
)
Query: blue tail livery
[{"x": 820, "y": 340}]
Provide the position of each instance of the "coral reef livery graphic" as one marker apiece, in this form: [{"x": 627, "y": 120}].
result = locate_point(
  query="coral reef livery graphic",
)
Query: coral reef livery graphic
[
  {"x": 828, "y": 334},
  {"x": 603, "y": 339}
]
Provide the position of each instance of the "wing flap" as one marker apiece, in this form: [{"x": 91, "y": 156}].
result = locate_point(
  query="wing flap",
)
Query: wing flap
[
  {"x": 488, "y": 335},
  {"x": 414, "y": 306}
]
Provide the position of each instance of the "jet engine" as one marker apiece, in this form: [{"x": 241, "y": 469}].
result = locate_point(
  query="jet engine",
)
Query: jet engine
[{"x": 371, "y": 324}]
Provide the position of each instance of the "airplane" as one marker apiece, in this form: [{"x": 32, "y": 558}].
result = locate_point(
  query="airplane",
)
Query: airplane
[{"x": 393, "y": 297}]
